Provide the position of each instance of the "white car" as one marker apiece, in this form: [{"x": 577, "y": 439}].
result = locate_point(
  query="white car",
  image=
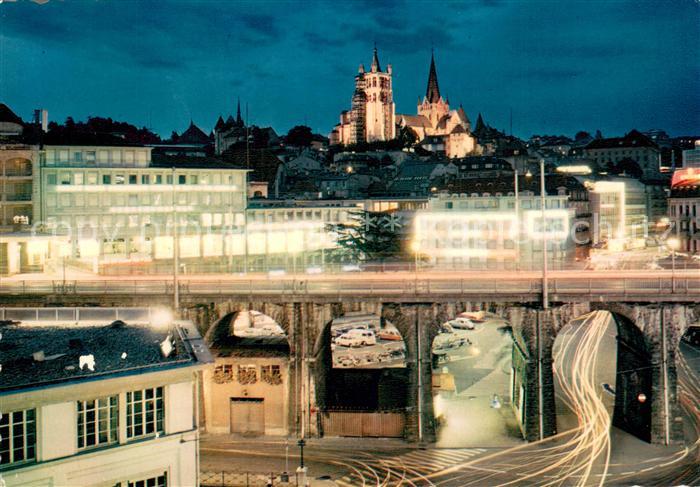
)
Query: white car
[
  {"x": 357, "y": 338},
  {"x": 461, "y": 324}
]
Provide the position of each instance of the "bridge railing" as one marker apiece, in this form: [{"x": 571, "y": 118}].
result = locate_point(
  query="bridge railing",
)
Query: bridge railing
[{"x": 373, "y": 287}]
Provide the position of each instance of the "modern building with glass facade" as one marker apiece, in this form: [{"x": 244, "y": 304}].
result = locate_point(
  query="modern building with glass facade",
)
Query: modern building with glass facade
[{"x": 119, "y": 208}]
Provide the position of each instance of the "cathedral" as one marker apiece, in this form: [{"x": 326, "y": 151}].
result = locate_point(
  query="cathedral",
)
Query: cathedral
[
  {"x": 435, "y": 122},
  {"x": 372, "y": 116}
]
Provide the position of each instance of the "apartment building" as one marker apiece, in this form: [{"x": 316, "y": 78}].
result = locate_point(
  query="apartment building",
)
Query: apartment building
[{"x": 99, "y": 397}]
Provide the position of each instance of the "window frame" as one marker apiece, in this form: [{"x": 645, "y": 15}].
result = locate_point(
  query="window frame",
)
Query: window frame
[
  {"x": 9, "y": 438},
  {"x": 139, "y": 398},
  {"x": 111, "y": 409}
]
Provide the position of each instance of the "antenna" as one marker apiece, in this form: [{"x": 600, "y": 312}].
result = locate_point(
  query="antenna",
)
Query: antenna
[{"x": 511, "y": 121}]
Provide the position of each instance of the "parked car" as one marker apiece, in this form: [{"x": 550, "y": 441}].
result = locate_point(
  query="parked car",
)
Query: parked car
[
  {"x": 357, "y": 338},
  {"x": 346, "y": 361},
  {"x": 461, "y": 323},
  {"x": 389, "y": 335}
]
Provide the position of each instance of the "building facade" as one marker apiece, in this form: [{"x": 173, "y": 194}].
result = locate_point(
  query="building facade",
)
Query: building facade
[
  {"x": 484, "y": 231},
  {"x": 633, "y": 146},
  {"x": 691, "y": 157},
  {"x": 684, "y": 209},
  {"x": 247, "y": 392},
  {"x": 101, "y": 403},
  {"x": 120, "y": 209},
  {"x": 372, "y": 116}
]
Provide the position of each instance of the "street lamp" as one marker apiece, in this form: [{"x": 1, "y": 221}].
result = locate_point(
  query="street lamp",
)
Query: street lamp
[
  {"x": 674, "y": 244},
  {"x": 415, "y": 248}
]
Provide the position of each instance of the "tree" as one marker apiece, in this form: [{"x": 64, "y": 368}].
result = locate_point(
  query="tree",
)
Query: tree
[
  {"x": 369, "y": 236},
  {"x": 582, "y": 135},
  {"x": 299, "y": 136}
]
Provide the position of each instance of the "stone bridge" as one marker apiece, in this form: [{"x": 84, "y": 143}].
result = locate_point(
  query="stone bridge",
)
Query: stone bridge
[{"x": 643, "y": 330}]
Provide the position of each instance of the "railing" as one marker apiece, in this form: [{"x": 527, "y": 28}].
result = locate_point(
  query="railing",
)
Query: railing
[
  {"x": 580, "y": 286},
  {"x": 90, "y": 315},
  {"x": 246, "y": 479}
]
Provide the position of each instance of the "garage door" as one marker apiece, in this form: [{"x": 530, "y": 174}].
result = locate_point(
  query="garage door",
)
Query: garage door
[{"x": 247, "y": 416}]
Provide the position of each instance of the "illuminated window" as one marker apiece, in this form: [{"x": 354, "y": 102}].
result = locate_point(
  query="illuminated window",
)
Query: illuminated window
[
  {"x": 145, "y": 412},
  {"x": 119, "y": 179},
  {"x": 65, "y": 178},
  {"x": 17, "y": 436},
  {"x": 98, "y": 422},
  {"x": 90, "y": 156}
]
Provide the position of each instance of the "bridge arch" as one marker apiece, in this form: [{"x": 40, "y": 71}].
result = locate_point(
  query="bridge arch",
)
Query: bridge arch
[
  {"x": 247, "y": 391},
  {"x": 603, "y": 358},
  {"x": 361, "y": 381}
]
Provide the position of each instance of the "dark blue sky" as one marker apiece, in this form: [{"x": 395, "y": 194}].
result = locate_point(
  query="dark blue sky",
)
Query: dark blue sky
[{"x": 561, "y": 66}]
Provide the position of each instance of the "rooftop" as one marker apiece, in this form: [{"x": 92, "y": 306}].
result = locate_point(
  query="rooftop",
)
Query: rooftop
[{"x": 47, "y": 348}]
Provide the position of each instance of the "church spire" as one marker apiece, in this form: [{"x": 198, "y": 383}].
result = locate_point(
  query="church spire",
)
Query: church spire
[
  {"x": 433, "y": 91},
  {"x": 375, "y": 61},
  {"x": 239, "y": 120}
]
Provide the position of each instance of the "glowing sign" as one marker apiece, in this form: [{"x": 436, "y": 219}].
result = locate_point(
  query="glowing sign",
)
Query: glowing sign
[{"x": 686, "y": 177}]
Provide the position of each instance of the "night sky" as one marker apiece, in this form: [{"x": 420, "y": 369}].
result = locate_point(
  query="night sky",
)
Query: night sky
[{"x": 560, "y": 66}]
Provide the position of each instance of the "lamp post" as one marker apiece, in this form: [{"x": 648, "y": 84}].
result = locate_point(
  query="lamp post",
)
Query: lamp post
[
  {"x": 674, "y": 244},
  {"x": 517, "y": 220},
  {"x": 545, "y": 290},
  {"x": 176, "y": 250},
  {"x": 415, "y": 248}
]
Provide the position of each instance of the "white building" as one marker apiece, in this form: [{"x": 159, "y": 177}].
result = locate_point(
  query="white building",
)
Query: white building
[
  {"x": 691, "y": 157},
  {"x": 684, "y": 208},
  {"x": 119, "y": 208},
  {"x": 90, "y": 401},
  {"x": 486, "y": 231},
  {"x": 620, "y": 212}
]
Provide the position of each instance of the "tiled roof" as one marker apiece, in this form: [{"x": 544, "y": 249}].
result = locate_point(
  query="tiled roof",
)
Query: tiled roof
[
  {"x": 191, "y": 162},
  {"x": 632, "y": 139},
  {"x": 118, "y": 349},
  {"x": 505, "y": 185}
]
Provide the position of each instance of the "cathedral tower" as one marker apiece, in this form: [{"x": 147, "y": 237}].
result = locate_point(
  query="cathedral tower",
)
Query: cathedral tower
[{"x": 372, "y": 115}]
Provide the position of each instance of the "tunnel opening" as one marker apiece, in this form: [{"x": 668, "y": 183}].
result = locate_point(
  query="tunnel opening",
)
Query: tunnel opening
[
  {"x": 603, "y": 374},
  {"x": 247, "y": 391},
  {"x": 361, "y": 377},
  {"x": 473, "y": 382}
]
